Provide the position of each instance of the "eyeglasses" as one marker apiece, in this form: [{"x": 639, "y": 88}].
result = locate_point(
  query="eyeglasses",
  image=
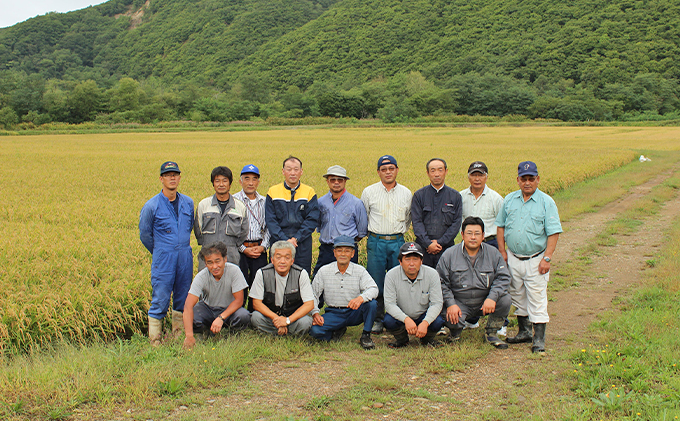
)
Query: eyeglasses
[{"x": 336, "y": 180}]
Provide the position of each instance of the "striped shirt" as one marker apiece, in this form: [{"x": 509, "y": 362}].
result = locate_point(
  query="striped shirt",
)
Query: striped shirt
[
  {"x": 389, "y": 212},
  {"x": 255, "y": 212},
  {"x": 339, "y": 288},
  {"x": 487, "y": 207}
]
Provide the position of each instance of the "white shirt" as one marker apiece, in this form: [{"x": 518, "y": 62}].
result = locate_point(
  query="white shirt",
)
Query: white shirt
[
  {"x": 389, "y": 212},
  {"x": 487, "y": 206}
]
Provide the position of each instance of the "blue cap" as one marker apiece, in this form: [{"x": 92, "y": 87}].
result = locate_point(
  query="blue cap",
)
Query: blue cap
[
  {"x": 343, "y": 241},
  {"x": 250, "y": 169},
  {"x": 526, "y": 168},
  {"x": 386, "y": 160},
  {"x": 169, "y": 166}
]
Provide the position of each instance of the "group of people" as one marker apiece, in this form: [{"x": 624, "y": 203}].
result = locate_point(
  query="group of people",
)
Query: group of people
[{"x": 409, "y": 288}]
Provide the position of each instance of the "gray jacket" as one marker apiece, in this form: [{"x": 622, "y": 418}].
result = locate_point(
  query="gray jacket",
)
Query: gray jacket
[
  {"x": 465, "y": 283},
  {"x": 230, "y": 227}
]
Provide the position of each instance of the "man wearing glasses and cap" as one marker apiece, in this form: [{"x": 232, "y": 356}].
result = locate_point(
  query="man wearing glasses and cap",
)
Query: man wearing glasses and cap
[
  {"x": 529, "y": 225},
  {"x": 341, "y": 214},
  {"x": 349, "y": 292},
  {"x": 165, "y": 224},
  {"x": 388, "y": 206},
  {"x": 254, "y": 248},
  {"x": 413, "y": 299}
]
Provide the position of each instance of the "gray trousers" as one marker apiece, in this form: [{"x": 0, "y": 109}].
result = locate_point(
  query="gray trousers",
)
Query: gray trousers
[
  {"x": 263, "y": 323},
  {"x": 471, "y": 309}
]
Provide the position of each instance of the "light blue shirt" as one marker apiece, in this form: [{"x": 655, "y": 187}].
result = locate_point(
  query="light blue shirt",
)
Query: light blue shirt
[
  {"x": 528, "y": 224},
  {"x": 346, "y": 217}
]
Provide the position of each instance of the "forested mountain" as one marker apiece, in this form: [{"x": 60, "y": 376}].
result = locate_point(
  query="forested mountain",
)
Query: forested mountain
[{"x": 226, "y": 59}]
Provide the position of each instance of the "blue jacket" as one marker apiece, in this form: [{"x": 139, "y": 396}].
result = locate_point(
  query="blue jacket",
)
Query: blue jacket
[
  {"x": 160, "y": 229},
  {"x": 289, "y": 217}
]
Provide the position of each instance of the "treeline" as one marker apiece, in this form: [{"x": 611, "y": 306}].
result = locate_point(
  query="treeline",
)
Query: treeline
[{"x": 32, "y": 100}]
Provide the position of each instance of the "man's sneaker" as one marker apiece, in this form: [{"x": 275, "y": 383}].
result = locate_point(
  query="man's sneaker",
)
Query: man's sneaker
[
  {"x": 502, "y": 331},
  {"x": 377, "y": 327},
  {"x": 366, "y": 341},
  {"x": 443, "y": 331},
  {"x": 470, "y": 325},
  {"x": 338, "y": 334}
]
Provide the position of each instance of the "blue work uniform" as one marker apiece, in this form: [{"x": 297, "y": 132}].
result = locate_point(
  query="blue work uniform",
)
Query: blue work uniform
[{"x": 167, "y": 236}]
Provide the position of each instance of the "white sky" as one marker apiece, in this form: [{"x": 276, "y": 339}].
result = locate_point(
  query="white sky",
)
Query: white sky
[{"x": 15, "y": 11}]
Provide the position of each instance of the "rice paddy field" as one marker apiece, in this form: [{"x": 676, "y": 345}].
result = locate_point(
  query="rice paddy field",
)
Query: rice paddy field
[{"x": 72, "y": 266}]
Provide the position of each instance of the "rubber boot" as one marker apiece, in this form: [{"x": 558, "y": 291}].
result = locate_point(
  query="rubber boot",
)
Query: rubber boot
[
  {"x": 155, "y": 330},
  {"x": 538, "y": 344},
  {"x": 400, "y": 336},
  {"x": 454, "y": 334},
  {"x": 492, "y": 325},
  {"x": 429, "y": 340},
  {"x": 524, "y": 333},
  {"x": 177, "y": 323}
]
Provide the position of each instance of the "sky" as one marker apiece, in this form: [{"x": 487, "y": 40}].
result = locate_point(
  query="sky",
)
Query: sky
[{"x": 15, "y": 11}]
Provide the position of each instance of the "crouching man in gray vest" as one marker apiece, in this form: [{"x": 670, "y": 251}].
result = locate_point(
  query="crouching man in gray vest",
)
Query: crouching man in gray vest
[
  {"x": 475, "y": 280},
  {"x": 282, "y": 294}
]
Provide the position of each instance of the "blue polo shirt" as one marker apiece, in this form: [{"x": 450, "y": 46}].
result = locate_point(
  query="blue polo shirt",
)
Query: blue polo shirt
[{"x": 528, "y": 224}]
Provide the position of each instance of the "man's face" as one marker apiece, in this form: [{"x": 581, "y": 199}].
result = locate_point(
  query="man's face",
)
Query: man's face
[
  {"x": 436, "y": 171},
  {"x": 388, "y": 173},
  {"x": 215, "y": 264},
  {"x": 343, "y": 255},
  {"x": 478, "y": 180},
  {"x": 473, "y": 235},
  {"x": 221, "y": 185},
  {"x": 282, "y": 260},
  {"x": 292, "y": 171},
  {"x": 170, "y": 180},
  {"x": 411, "y": 264},
  {"x": 336, "y": 184},
  {"x": 528, "y": 184},
  {"x": 250, "y": 183}
]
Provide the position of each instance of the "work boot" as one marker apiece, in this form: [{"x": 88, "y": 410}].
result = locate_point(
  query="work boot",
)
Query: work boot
[
  {"x": 454, "y": 335},
  {"x": 524, "y": 333},
  {"x": 177, "y": 323},
  {"x": 155, "y": 330},
  {"x": 492, "y": 325},
  {"x": 429, "y": 340},
  {"x": 366, "y": 341},
  {"x": 400, "y": 336},
  {"x": 377, "y": 327},
  {"x": 338, "y": 334},
  {"x": 538, "y": 344}
]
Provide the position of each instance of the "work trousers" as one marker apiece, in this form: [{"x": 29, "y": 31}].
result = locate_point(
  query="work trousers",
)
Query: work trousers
[
  {"x": 383, "y": 255},
  {"x": 171, "y": 275},
  {"x": 264, "y": 324},
  {"x": 204, "y": 316},
  {"x": 393, "y": 324},
  {"x": 473, "y": 310},
  {"x": 528, "y": 288},
  {"x": 249, "y": 268},
  {"x": 336, "y": 318}
]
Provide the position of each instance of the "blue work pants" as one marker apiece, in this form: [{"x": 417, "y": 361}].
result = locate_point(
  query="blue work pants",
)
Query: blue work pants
[
  {"x": 336, "y": 318},
  {"x": 171, "y": 274},
  {"x": 383, "y": 255}
]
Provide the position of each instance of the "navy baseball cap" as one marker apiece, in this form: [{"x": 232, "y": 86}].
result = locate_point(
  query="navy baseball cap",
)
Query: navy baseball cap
[
  {"x": 343, "y": 241},
  {"x": 250, "y": 169},
  {"x": 170, "y": 166},
  {"x": 411, "y": 248},
  {"x": 386, "y": 160},
  {"x": 526, "y": 168}
]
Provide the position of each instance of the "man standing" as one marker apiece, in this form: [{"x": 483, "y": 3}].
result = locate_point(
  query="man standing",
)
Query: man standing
[
  {"x": 341, "y": 214},
  {"x": 219, "y": 287},
  {"x": 436, "y": 213},
  {"x": 475, "y": 281},
  {"x": 530, "y": 225},
  {"x": 388, "y": 206},
  {"x": 292, "y": 212},
  {"x": 254, "y": 248},
  {"x": 413, "y": 299},
  {"x": 282, "y": 295},
  {"x": 349, "y": 293},
  {"x": 165, "y": 230},
  {"x": 480, "y": 201},
  {"x": 221, "y": 218}
]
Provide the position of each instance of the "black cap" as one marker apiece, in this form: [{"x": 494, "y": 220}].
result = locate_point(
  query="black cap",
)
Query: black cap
[
  {"x": 411, "y": 248},
  {"x": 478, "y": 166}
]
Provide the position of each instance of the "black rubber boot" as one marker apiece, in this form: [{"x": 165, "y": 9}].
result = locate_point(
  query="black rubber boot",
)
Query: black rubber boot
[
  {"x": 492, "y": 325},
  {"x": 400, "y": 336},
  {"x": 538, "y": 344},
  {"x": 429, "y": 340},
  {"x": 524, "y": 333},
  {"x": 454, "y": 334}
]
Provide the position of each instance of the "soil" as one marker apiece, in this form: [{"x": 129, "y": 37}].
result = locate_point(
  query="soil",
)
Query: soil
[{"x": 504, "y": 384}]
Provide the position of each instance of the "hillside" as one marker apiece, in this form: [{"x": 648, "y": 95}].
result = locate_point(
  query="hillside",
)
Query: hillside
[{"x": 593, "y": 58}]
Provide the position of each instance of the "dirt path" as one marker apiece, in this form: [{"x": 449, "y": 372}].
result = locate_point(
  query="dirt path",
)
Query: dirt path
[{"x": 503, "y": 384}]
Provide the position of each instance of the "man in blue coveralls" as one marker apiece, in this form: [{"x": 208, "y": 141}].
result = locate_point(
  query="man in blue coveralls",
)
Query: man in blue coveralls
[{"x": 165, "y": 225}]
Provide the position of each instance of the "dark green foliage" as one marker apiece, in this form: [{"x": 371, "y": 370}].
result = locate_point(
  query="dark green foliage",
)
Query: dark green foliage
[{"x": 126, "y": 60}]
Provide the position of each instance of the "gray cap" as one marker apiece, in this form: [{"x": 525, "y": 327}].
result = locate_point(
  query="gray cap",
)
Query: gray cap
[{"x": 337, "y": 171}]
